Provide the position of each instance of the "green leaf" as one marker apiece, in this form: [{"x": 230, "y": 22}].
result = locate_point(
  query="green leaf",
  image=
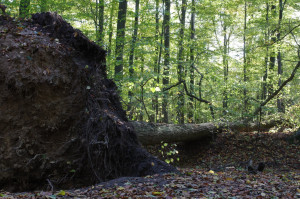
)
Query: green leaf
[{"x": 61, "y": 193}]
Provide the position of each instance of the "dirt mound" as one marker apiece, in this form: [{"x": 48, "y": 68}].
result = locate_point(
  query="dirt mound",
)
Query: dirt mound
[{"x": 61, "y": 121}]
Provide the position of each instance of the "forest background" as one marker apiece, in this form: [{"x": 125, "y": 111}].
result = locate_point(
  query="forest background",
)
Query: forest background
[{"x": 192, "y": 61}]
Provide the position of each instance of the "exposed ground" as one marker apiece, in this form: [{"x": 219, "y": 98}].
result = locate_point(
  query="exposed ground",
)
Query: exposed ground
[{"x": 215, "y": 170}]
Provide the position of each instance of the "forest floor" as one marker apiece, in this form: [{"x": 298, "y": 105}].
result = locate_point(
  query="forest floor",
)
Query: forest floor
[{"x": 208, "y": 170}]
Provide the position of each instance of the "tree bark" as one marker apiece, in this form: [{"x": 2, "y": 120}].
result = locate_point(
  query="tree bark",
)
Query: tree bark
[
  {"x": 192, "y": 59},
  {"x": 273, "y": 51},
  {"x": 131, "y": 55},
  {"x": 225, "y": 67},
  {"x": 267, "y": 36},
  {"x": 158, "y": 48},
  {"x": 100, "y": 14},
  {"x": 280, "y": 104},
  {"x": 155, "y": 133},
  {"x": 120, "y": 39},
  {"x": 167, "y": 59},
  {"x": 245, "y": 62},
  {"x": 180, "y": 67}
]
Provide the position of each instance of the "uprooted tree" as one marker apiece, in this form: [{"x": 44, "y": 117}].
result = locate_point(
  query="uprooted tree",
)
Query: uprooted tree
[{"x": 61, "y": 121}]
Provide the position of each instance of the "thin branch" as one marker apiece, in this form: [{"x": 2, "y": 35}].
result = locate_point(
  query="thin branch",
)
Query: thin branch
[
  {"x": 172, "y": 86},
  {"x": 287, "y": 33},
  {"x": 200, "y": 100},
  {"x": 290, "y": 32},
  {"x": 278, "y": 90},
  {"x": 192, "y": 96}
]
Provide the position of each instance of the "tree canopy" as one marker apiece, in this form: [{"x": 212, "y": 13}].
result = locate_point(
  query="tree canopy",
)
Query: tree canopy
[{"x": 192, "y": 61}]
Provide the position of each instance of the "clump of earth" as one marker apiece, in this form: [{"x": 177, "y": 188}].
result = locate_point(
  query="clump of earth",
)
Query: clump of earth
[{"x": 61, "y": 121}]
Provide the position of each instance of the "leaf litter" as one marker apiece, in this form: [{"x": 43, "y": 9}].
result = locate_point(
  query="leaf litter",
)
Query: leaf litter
[{"x": 213, "y": 171}]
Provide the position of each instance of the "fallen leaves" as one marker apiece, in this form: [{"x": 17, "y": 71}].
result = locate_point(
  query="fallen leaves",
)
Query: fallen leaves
[{"x": 200, "y": 182}]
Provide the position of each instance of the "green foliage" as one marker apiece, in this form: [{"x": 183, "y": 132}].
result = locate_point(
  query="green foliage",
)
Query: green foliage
[
  {"x": 210, "y": 19},
  {"x": 293, "y": 113},
  {"x": 169, "y": 152}
]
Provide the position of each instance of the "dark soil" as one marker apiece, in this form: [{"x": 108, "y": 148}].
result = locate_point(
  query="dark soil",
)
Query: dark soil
[{"x": 61, "y": 121}]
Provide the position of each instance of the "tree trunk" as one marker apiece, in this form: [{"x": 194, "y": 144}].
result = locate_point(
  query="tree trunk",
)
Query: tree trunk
[
  {"x": 100, "y": 8},
  {"x": 192, "y": 60},
  {"x": 110, "y": 27},
  {"x": 109, "y": 57},
  {"x": 273, "y": 51},
  {"x": 265, "y": 76},
  {"x": 158, "y": 49},
  {"x": 225, "y": 67},
  {"x": 245, "y": 112},
  {"x": 152, "y": 133},
  {"x": 167, "y": 59},
  {"x": 131, "y": 54},
  {"x": 120, "y": 39},
  {"x": 280, "y": 105},
  {"x": 180, "y": 68}
]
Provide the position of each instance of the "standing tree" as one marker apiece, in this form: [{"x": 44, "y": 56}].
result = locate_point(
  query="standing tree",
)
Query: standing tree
[
  {"x": 110, "y": 34},
  {"x": 280, "y": 105},
  {"x": 225, "y": 58},
  {"x": 267, "y": 35},
  {"x": 245, "y": 61},
  {"x": 100, "y": 20},
  {"x": 192, "y": 60},
  {"x": 131, "y": 53},
  {"x": 167, "y": 59},
  {"x": 158, "y": 49},
  {"x": 180, "y": 68},
  {"x": 273, "y": 52},
  {"x": 120, "y": 39}
]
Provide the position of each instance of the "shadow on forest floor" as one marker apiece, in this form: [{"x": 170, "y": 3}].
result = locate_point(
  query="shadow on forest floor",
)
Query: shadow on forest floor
[{"x": 231, "y": 149}]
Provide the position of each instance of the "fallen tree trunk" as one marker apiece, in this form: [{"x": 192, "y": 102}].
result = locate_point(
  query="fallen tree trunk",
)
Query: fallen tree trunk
[{"x": 152, "y": 133}]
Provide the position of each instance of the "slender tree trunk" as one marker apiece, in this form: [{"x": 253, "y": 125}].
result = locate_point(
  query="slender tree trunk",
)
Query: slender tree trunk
[
  {"x": 265, "y": 76},
  {"x": 225, "y": 68},
  {"x": 120, "y": 39},
  {"x": 24, "y": 8},
  {"x": 100, "y": 21},
  {"x": 245, "y": 62},
  {"x": 110, "y": 26},
  {"x": 110, "y": 34},
  {"x": 280, "y": 105},
  {"x": 141, "y": 113},
  {"x": 192, "y": 65},
  {"x": 131, "y": 54},
  {"x": 180, "y": 68},
  {"x": 157, "y": 57},
  {"x": 273, "y": 53},
  {"x": 167, "y": 59}
]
